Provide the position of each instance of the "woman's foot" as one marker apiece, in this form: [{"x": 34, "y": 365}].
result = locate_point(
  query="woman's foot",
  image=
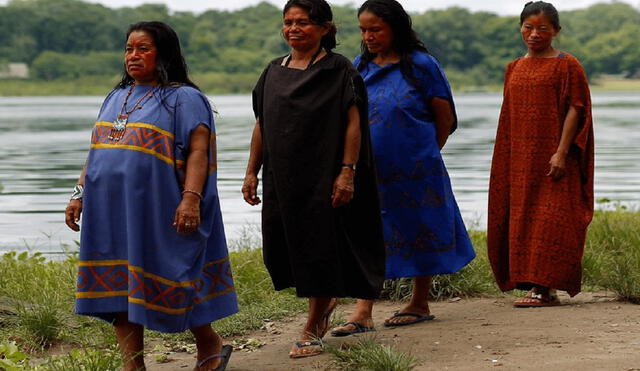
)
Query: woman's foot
[
  {"x": 354, "y": 325},
  {"x": 409, "y": 315},
  {"x": 208, "y": 344},
  {"x": 538, "y": 297},
  {"x": 310, "y": 343}
]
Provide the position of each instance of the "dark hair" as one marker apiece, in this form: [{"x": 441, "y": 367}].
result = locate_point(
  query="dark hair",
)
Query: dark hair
[
  {"x": 405, "y": 39},
  {"x": 319, "y": 13},
  {"x": 170, "y": 65},
  {"x": 540, "y": 7}
]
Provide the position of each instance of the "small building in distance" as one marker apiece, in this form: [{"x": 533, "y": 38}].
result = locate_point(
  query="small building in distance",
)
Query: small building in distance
[{"x": 14, "y": 71}]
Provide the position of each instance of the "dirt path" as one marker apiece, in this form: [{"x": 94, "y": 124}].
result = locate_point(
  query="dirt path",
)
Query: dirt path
[{"x": 591, "y": 331}]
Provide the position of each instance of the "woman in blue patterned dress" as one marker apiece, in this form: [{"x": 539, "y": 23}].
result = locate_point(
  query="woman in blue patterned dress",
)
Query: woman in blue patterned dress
[
  {"x": 411, "y": 114},
  {"x": 153, "y": 251}
]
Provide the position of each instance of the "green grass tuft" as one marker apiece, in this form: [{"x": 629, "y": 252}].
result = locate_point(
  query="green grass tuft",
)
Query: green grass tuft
[{"x": 368, "y": 354}]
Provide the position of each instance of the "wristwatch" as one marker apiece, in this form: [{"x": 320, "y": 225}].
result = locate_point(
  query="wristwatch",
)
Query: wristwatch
[
  {"x": 78, "y": 192},
  {"x": 350, "y": 166}
]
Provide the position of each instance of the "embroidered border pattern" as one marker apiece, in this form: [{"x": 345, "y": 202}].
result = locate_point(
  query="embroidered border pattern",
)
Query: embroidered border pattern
[
  {"x": 112, "y": 278},
  {"x": 149, "y": 139}
]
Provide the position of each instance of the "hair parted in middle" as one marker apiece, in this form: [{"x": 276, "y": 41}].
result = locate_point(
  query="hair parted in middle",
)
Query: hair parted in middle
[{"x": 319, "y": 13}]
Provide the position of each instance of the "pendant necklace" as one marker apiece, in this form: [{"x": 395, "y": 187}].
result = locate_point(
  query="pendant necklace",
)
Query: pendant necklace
[{"x": 120, "y": 123}]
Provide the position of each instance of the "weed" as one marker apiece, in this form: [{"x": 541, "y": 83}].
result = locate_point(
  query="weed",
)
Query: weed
[{"x": 368, "y": 354}]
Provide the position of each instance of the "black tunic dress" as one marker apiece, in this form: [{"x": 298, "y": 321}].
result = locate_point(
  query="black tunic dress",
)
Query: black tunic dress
[{"x": 320, "y": 250}]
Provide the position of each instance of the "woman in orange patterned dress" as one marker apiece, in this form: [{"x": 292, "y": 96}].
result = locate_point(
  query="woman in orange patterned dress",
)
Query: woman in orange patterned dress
[{"x": 541, "y": 187}]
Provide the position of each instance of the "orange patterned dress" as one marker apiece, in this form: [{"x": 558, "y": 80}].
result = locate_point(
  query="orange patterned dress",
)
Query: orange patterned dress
[{"x": 537, "y": 226}]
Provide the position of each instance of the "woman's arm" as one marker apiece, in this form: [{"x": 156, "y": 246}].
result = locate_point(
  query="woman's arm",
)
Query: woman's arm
[
  {"x": 343, "y": 187},
  {"x": 557, "y": 163},
  {"x": 187, "y": 217},
  {"x": 74, "y": 208},
  {"x": 444, "y": 119},
  {"x": 250, "y": 185}
]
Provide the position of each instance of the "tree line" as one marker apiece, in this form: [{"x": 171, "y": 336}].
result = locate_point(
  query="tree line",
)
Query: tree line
[{"x": 68, "y": 39}]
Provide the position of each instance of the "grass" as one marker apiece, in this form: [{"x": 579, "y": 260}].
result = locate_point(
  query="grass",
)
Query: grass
[
  {"x": 369, "y": 354},
  {"x": 37, "y": 296}
]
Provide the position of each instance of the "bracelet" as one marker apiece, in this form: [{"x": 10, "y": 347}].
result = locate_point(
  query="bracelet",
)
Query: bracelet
[
  {"x": 350, "y": 166},
  {"x": 194, "y": 192},
  {"x": 78, "y": 192}
]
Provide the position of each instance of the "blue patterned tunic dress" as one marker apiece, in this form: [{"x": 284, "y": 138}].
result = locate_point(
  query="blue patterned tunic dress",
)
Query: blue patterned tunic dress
[
  {"x": 131, "y": 257},
  {"x": 424, "y": 232}
]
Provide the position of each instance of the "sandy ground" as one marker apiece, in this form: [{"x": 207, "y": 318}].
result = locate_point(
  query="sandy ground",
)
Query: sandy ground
[{"x": 591, "y": 331}]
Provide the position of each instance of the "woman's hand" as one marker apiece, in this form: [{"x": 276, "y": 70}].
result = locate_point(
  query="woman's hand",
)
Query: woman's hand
[
  {"x": 343, "y": 188},
  {"x": 187, "y": 217},
  {"x": 72, "y": 214},
  {"x": 557, "y": 166},
  {"x": 250, "y": 189}
]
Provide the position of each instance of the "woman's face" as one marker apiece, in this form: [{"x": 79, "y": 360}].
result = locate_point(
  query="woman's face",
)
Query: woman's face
[
  {"x": 376, "y": 33},
  {"x": 538, "y": 32},
  {"x": 140, "y": 57},
  {"x": 300, "y": 32}
]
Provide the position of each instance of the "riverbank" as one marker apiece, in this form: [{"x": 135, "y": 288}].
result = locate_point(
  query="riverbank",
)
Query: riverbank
[
  {"x": 37, "y": 298},
  {"x": 221, "y": 83},
  {"x": 591, "y": 331}
]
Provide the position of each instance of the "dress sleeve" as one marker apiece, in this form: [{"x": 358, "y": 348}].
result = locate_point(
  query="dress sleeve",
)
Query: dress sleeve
[
  {"x": 433, "y": 82},
  {"x": 579, "y": 96},
  {"x": 257, "y": 95},
  {"x": 192, "y": 110}
]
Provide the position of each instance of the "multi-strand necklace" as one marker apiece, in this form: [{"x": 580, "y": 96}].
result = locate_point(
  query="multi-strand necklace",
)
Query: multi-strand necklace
[{"x": 120, "y": 123}]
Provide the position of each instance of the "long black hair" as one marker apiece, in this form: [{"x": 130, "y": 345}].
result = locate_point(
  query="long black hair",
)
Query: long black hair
[
  {"x": 319, "y": 13},
  {"x": 405, "y": 39},
  {"x": 171, "y": 68},
  {"x": 541, "y": 7}
]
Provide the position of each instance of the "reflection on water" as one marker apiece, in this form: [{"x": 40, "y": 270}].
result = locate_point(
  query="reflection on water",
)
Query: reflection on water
[{"x": 44, "y": 143}]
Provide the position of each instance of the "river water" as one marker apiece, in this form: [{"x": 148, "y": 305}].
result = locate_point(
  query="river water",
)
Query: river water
[{"x": 44, "y": 142}]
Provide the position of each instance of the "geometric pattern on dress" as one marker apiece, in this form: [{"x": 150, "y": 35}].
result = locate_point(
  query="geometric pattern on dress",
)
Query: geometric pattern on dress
[
  {"x": 394, "y": 174},
  {"x": 426, "y": 240},
  {"x": 406, "y": 200},
  {"x": 149, "y": 139},
  {"x": 145, "y": 138},
  {"x": 103, "y": 279}
]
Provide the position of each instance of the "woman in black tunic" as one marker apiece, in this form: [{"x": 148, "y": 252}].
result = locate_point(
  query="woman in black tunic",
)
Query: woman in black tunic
[{"x": 321, "y": 225}]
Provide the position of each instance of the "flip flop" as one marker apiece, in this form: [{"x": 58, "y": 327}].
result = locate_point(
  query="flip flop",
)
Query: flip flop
[
  {"x": 536, "y": 300},
  {"x": 304, "y": 344},
  {"x": 417, "y": 318},
  {"x": 225, "y": 354},
  {"x": 326, "y": 317},
  {"x": 357, "y": 328}
]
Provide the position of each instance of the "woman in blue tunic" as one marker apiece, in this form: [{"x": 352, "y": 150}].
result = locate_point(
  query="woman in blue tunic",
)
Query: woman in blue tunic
[
  {"x": 153, "y": 251},
  {"x": 411, "y": 114}
]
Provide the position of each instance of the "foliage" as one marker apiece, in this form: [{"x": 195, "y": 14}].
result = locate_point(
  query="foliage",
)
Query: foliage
[
  {"x": 612, "y": 253},
  {"x": 368, "y": 354},
  {"x": 11, "y": 358},
  {"x": 85, "y": 360},
  {"x": 474, "y": 47}
]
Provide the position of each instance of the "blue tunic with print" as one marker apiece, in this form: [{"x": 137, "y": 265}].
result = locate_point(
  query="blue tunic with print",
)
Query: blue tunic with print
[
  {"x": 131, "y": 257},
  {"x": 424, "y": 232}
]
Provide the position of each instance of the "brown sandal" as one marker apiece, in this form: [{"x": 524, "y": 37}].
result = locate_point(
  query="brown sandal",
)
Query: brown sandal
[{"x": 533, "y": 299}]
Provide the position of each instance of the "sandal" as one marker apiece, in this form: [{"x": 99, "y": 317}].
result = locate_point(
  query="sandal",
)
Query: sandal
[
  {"x": 316, "y": 347},
  {"x": 225, "y": 354},
  {"x": 357, "y": 328},
  {"x": 535, "y": 300}
]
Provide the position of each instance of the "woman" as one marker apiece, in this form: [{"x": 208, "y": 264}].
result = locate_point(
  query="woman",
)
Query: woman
[
  {"x": 411, "y": 114},
  {"x": 153, "y": 251},
  {"x": 541, "y": 187},
  {"x": 310, "y": 138}
]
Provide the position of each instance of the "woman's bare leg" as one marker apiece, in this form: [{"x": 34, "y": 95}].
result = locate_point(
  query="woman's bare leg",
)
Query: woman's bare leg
[
  {"x": 419, "y": 303},
  {"x": 131, "y": 340}
]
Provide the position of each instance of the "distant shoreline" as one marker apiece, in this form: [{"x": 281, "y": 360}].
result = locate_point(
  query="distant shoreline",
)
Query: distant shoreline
[{"x": 218, "y": 83}]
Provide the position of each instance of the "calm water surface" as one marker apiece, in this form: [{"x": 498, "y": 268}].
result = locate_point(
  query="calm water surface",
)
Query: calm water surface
[{"x": 44, "y": 142}]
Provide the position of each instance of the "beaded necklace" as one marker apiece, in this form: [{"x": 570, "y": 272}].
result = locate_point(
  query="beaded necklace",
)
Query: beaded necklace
[{"x": 120, "y": 123}]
